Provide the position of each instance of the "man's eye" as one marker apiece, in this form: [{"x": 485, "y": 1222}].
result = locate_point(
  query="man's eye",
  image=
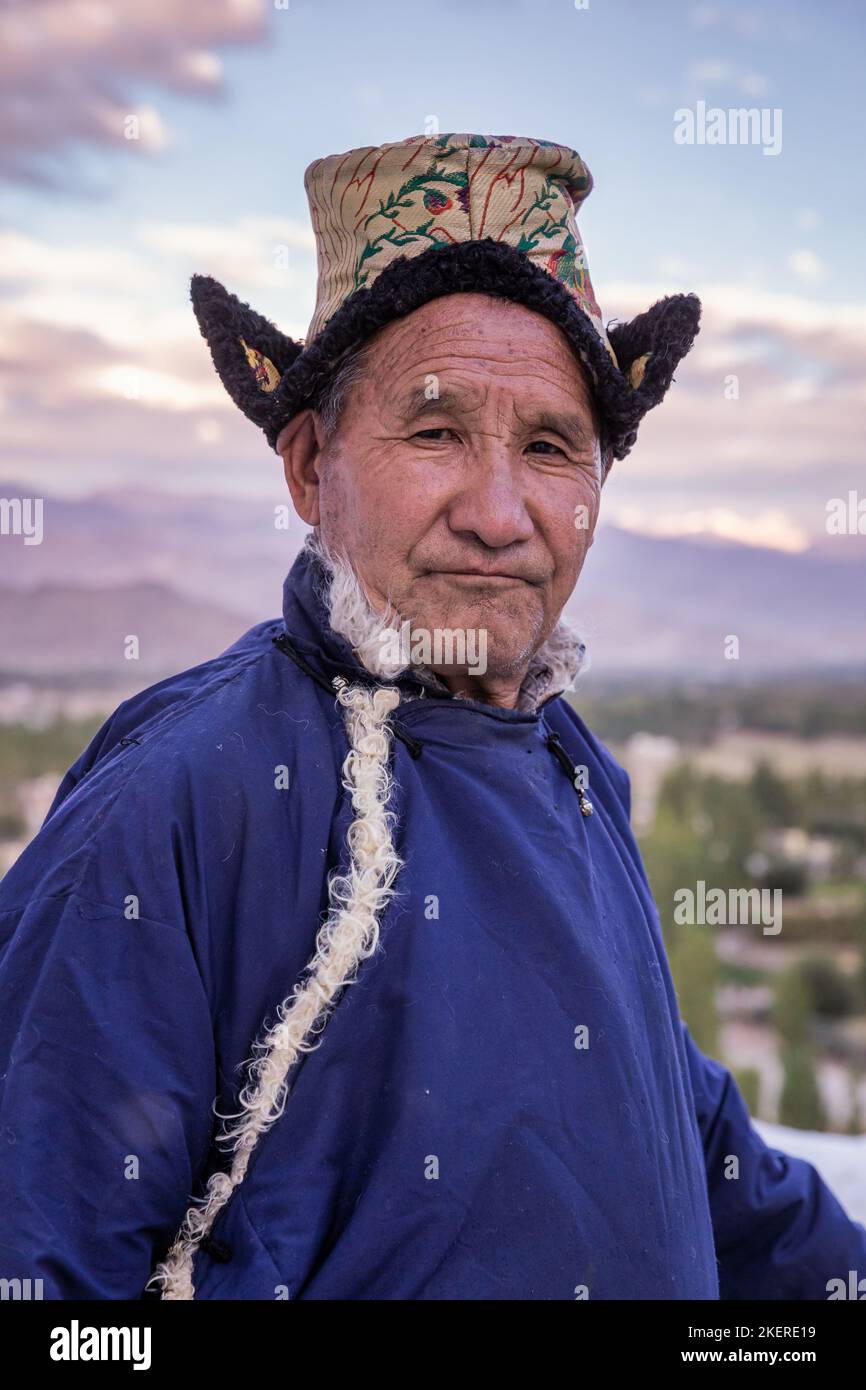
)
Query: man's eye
[
  {"x": 545, "y": 444},
  {"x": 437, "y": 434}
]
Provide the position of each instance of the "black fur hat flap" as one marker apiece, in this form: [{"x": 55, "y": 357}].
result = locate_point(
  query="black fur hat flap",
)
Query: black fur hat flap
[{"x": 248, "y": 351}]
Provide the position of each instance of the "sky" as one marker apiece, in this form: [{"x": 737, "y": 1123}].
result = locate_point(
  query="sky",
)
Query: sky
[{"x": 106, "y": 384}]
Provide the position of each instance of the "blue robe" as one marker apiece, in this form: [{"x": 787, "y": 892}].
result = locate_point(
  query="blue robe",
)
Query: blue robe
[{"x": 451, "y": 1137}]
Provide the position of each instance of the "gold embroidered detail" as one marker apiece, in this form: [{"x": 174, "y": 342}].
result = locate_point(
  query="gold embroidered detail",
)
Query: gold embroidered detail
[
  {"x": 637, "y": 369},
  {"x": 266, "y": 374}
]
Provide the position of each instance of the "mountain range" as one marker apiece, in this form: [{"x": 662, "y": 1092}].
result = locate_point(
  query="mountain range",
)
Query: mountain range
[{"x": 186, "y": 575}]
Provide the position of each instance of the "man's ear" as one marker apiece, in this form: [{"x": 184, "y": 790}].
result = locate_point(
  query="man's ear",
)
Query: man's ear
[
  {"x": 249, "y": 353},
  {"x": 300, "y": 445}
]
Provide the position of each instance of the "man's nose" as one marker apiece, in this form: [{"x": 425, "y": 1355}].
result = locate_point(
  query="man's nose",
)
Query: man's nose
[{"x": 491, "y": 499}]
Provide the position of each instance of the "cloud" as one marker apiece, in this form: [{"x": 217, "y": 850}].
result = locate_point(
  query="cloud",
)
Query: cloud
[
  {"x": 138, "y": 293},
  {"x": 764, "y": 419},
  {"x": 678, "y": 268},
  {"x": 105, "y": 380},
  {"x": 807, "y": 266},
  {"x": 736, "y": 303},
  {"x": 710, "y": 72},
  {"x": 70, "y": 70},
  {"x": 104, "y": 377},
  {"x": 742, "y": 22},
  {"x": 266, "y": 252},
  {"x": 808, "y": 219},
  {"x": 77, "y": 415},
  {"x": 771, "y": 529}
]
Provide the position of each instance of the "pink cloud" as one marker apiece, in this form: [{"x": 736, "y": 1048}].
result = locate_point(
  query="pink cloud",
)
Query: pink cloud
[{"x": 69, "y": 70}]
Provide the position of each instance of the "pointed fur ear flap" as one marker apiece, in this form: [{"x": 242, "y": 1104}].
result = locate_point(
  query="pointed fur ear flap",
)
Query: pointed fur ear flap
[
  {"x": 650, "y": 347},
  {"x": 248, "y": 351}
]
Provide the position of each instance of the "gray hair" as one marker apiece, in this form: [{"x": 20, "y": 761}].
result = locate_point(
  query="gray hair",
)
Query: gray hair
[{"x": 331, "y": 400}]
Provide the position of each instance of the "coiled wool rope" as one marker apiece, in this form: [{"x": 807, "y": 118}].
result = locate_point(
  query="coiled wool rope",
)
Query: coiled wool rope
[{"x": 348, "y": 936}]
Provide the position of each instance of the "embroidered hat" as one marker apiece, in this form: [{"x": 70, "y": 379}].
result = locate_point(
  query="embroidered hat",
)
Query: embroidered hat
[{"x": 397, "y": 225}]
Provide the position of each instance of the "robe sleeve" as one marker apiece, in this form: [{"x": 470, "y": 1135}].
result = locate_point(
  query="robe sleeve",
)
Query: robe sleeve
[
  {"x": 107, "y": 1079},
  {"x": 130, "y": 718},
  {"x": 780, "y": 1233}
]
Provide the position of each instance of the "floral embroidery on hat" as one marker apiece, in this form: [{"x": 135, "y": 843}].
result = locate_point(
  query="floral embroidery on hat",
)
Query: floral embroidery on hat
[
  {"x": 436, "y": 202},
  {"x": 399, "y": 209},
  {"x": 374, "y": 205}
]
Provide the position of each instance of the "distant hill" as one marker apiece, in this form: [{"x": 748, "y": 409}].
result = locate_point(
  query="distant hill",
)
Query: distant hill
[
  {"x": 226, "y": 551},
  {"x": 57, "y": 631},
  {"x": 190, "y": 573},
  {"x": 668, "y": 605}
]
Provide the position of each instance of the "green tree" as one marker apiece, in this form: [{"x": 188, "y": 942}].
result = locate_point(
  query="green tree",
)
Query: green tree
[
  {"x": 695, "y": 971},
  {"x": 855, "y": 1115},
  {"x": 832, "y": 993},
  {"x": 800, "y": 1105},
  {"x": 792, "y": 1007},
  {"x": 772, "y": 796},
  {"x": 748, "y": 1081}
]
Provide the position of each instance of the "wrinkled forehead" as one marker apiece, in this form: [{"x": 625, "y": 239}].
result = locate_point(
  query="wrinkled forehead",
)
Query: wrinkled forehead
[
  {"x": 495, "y": 325},
  {"x": 469, "y": 349}
]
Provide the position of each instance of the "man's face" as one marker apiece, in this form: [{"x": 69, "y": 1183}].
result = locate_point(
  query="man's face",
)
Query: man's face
[{"x": 463, "y": 480}]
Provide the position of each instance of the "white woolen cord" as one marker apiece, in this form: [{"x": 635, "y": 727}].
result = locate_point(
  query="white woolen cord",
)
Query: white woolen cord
[{"x": 349, "y": 935}]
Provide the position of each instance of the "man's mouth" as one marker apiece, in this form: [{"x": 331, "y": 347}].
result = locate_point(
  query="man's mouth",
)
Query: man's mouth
[{"x": 485, "y": 576}]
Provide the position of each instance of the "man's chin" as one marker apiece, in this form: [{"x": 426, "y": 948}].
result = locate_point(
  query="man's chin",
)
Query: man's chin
[
  {"x": 502, "y": 642},
  {"x": 492, "y": 656}
]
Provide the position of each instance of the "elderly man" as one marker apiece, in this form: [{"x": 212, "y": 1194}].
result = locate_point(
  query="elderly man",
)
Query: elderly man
[{"x": 385, "y": 790}]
